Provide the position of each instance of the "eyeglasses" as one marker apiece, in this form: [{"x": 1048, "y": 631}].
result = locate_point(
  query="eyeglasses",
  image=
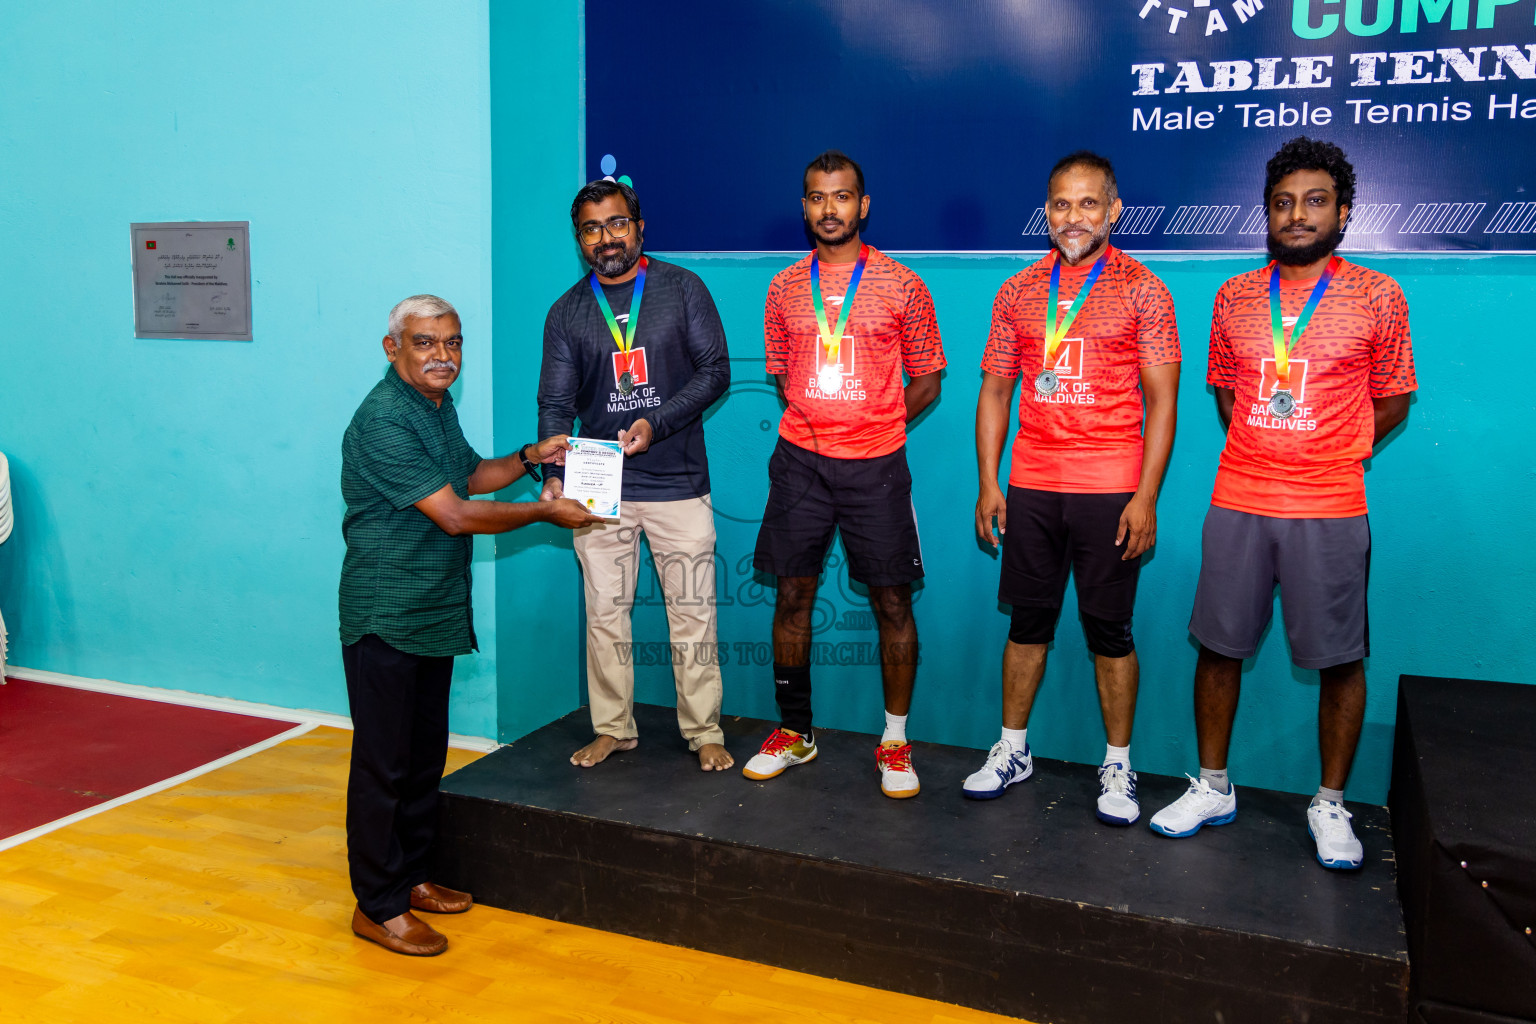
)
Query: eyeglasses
[{"x": 617, "y": 227}]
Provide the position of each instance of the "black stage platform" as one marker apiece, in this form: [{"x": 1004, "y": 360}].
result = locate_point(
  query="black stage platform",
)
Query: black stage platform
[
  {"x": 1025, "y": 905},
  {"x": 1466, "y": 817}
]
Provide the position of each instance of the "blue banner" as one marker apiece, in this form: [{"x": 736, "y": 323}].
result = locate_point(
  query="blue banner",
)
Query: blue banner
[{"x": 957, "y": 109}]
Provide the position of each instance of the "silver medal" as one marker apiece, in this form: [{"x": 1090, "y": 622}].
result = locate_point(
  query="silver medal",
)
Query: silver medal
[
  {"x": 1282, "y": 405},
  {"x": 830, "y": 379},
  {"x": 626, "y": 383},
  {"x": 1047, "y": 382}
]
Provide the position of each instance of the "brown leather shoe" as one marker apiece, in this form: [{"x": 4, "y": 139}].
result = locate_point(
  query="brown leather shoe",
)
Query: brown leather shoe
[
  {"x": 407, "y": 934},
  {"x": 439, "y": 899}
]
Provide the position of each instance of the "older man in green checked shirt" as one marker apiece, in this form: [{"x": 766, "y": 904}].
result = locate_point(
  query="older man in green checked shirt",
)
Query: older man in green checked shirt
[{"x": 406, "y": 475}]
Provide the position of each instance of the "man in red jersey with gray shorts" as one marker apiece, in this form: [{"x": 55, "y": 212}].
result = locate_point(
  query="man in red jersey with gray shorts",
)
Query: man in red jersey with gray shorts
[{"x": 1312, "y": 364}]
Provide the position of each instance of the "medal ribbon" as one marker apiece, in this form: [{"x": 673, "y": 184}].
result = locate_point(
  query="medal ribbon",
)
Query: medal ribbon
[
  {"x": 1283, "y": 351},
  {"x": 832, "y": 340},
  {"x": 1053, "y": 335},
  {"x": 625, "y": 339}
]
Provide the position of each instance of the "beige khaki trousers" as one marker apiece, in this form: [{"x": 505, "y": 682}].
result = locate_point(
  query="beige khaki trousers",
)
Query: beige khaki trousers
[{"x": 682, "y": 536}]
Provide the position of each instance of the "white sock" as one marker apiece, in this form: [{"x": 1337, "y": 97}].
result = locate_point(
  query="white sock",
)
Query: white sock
[
  {"x": 1016, "y": 738},
  {"x": 1114, "y": 754},
  {"x": 1217, "y": 779},
  {"x": 1324, "y": 793},
  {"x": 895, "y": 729}
]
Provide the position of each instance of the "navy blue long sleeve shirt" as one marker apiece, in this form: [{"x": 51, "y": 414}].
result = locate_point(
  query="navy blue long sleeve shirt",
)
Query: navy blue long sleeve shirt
[{"x": 679, "y": 362}]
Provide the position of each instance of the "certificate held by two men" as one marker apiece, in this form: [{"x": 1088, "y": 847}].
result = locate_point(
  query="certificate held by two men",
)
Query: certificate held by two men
[{"x": 594, "y": 474}]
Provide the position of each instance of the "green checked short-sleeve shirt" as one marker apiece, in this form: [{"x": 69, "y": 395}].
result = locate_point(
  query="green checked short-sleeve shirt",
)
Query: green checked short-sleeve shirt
[{"x": 403, "y": 577}]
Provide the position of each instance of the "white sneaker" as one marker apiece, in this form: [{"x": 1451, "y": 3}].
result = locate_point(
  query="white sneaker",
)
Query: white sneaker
[
  {"x": 1199, "y": 806},
  {"x": 1337, "y": 847},
  {"x": 897, "y": 779},
  {"x": 1117, "y": 795},
  {"x": 782, "y": 749},
  {"x": 1005, "y": 765}
]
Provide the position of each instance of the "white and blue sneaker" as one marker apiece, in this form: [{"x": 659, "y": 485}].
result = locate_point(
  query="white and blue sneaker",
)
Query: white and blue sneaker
[
  {"x": 1117, "y": 795},
  {"x": 1198, "y": 807},
  {"x": 1005, "y": 766},
  {"x": 1337, "y": 847}
]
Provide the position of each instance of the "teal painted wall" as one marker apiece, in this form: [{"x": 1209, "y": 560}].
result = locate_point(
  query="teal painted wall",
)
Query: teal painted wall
[
  {"x": 536, "y": 86},
  {"x": 177, "y": 503},
  {"x": 1450, "y": 499},
  {"x": 177, "y": 506}
]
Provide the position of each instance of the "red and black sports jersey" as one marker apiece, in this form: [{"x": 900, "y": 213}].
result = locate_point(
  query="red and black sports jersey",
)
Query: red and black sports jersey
[
  {"x": 891, "y": 328},
  {"x": 1355, "y": 348},
  {"x": 1085, "y": 438}
]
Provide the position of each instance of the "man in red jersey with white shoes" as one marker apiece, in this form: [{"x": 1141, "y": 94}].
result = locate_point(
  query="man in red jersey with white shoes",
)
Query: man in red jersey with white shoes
[
  {"x": 1312, "y": 364},
  {"x": 842, "y": 327},
  {"x": 1092, "y": 334}
]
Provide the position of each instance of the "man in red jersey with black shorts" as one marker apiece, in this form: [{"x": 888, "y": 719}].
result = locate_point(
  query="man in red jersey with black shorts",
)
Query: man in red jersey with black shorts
[
  {"x": 841, "y": 327},
  {"x": 1092, "y": 333},
  {"x": 1313, "y": 366}
]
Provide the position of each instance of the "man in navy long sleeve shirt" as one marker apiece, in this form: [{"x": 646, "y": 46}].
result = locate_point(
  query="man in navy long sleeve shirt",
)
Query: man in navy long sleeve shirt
[{"x": 635, "y": 350}]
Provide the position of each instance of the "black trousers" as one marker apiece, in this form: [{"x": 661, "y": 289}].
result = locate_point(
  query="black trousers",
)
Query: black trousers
[{"x": 399, "y": 745}]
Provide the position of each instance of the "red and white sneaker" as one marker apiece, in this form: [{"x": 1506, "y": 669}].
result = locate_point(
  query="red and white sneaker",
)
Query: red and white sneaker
[
  {"x": 782, "y": 749},
  {"x": 897, "y": 779}
]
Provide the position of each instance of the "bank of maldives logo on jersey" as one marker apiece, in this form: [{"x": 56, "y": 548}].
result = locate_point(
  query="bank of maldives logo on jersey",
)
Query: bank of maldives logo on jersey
[
  {"x": 1269, "y": 378},
  {"x": 636, "y": 367},
  {"x": 847, "y": 348},
  {"x": 1069, "y": 354},
  {"x": 634, "y": 363},
  {"x": 847, "y": 363}
]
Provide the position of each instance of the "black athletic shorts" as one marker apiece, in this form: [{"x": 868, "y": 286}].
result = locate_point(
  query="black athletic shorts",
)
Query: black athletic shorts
[
  {"x": 1050, "y": 532},
  {"x": 869, "y": 500}
]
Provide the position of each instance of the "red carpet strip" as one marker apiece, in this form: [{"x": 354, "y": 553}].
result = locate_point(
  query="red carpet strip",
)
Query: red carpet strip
[{"x": 63, "y": 750}]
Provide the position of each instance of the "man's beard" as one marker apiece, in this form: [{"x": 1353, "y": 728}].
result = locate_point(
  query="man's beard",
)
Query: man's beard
[
  {"x": 1074, "y": 251},
  {"x": 616, "y": 264},
  {"x": 1301, "y": 255},
  {"x": 848, "y": 235}
]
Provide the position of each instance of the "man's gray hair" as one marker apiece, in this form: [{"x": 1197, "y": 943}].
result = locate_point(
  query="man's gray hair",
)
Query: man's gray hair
[{"x": 425, "y": 306}]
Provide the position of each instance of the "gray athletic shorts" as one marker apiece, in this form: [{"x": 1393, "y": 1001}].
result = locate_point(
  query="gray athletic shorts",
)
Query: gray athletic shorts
[{"x": 1321, "y": 566}]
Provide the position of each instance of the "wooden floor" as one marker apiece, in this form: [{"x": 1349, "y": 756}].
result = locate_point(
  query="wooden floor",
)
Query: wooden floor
[{"x": 225, "y": 899}]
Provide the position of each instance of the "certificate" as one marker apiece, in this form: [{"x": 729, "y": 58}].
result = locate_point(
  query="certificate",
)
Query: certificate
[
  {"x": 192, "y": 280},
  {"x": 594, "y": 472}
]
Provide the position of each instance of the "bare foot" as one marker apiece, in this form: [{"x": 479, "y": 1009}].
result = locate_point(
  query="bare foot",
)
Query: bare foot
[
  {"x": 715, "y": 758},
  {"x": 598, "y": 750}
]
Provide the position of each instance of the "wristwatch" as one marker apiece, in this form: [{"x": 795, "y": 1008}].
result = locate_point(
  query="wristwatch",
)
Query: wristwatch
[{"x": 531, "y": 468}]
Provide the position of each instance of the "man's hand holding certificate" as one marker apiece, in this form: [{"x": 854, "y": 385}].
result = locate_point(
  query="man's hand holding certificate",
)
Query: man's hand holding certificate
[{"x": 594, "y": 475}]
